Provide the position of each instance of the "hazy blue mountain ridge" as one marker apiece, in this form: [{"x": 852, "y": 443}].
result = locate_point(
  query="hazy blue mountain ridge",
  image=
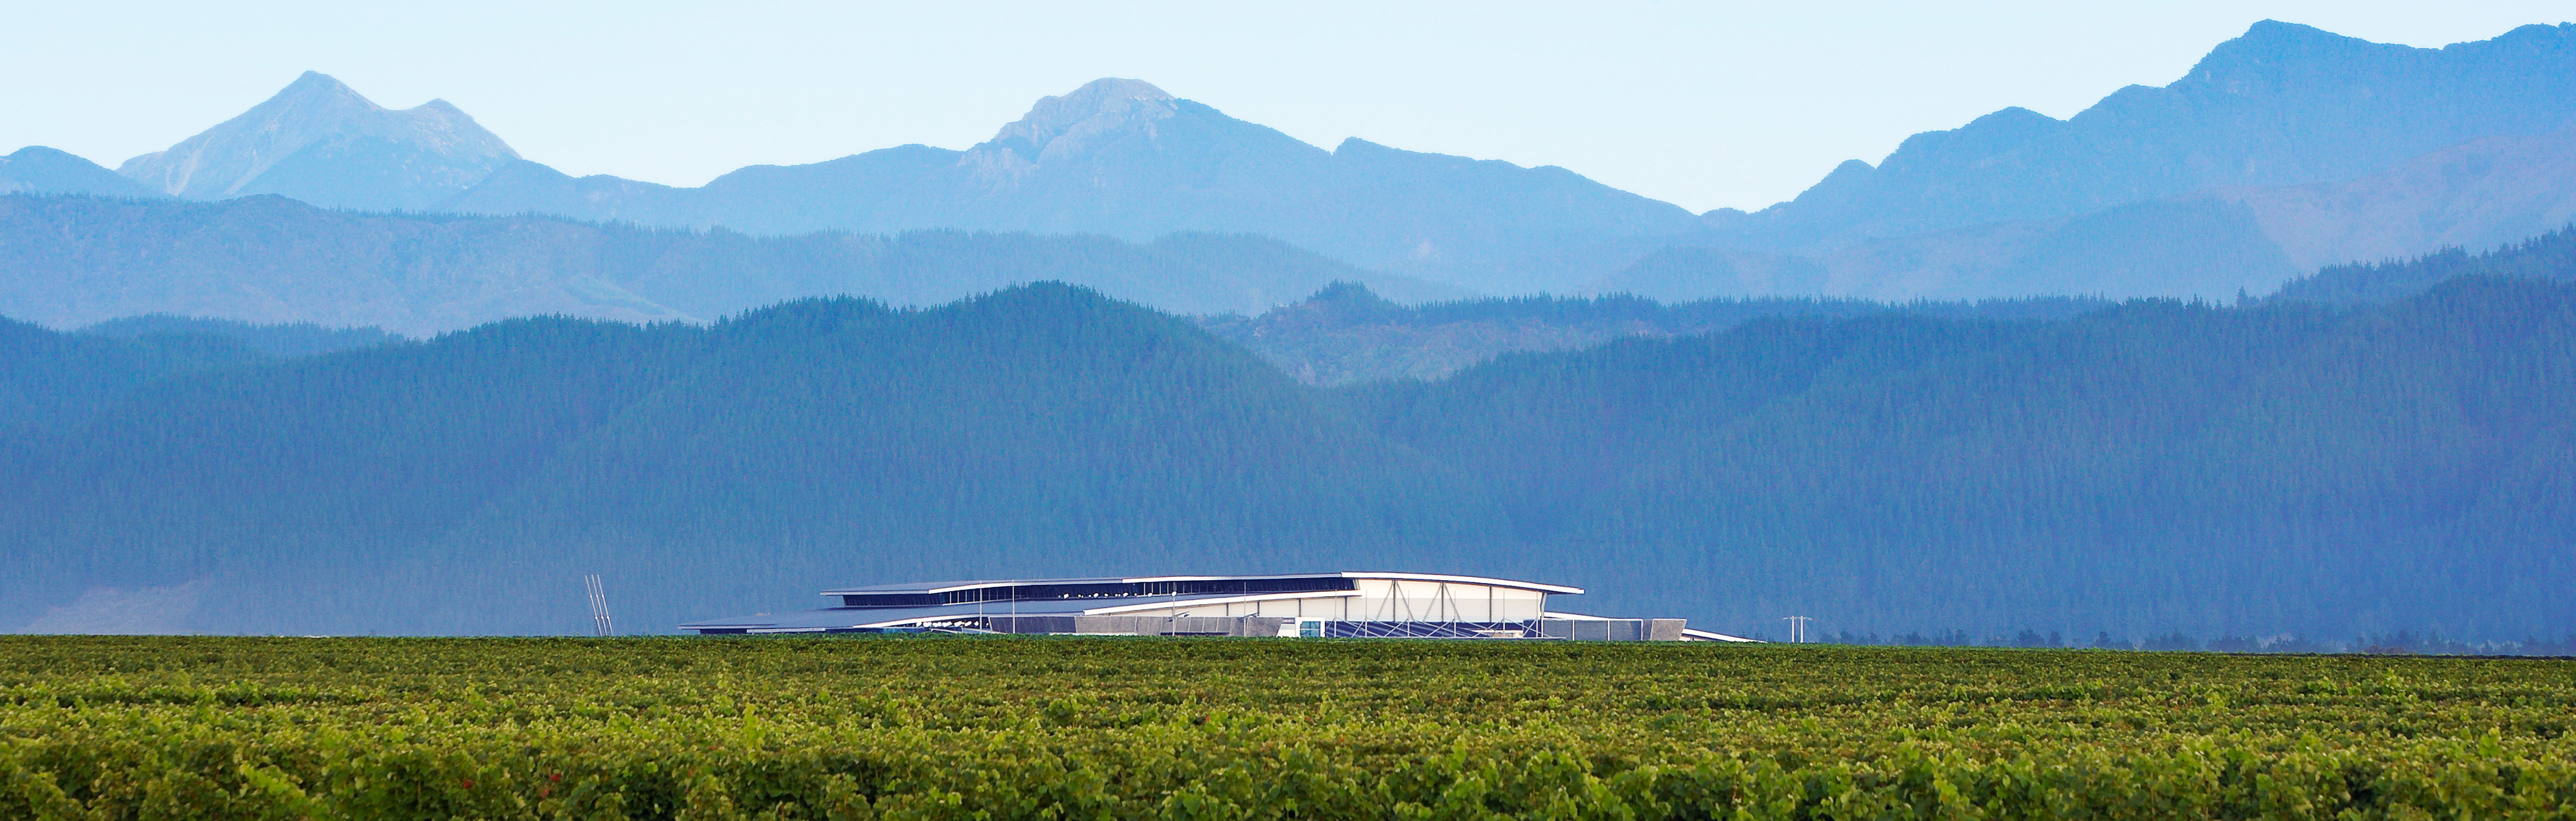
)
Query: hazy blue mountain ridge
[
  {"x": 76, "y": 261},
  {"x": 1122, "y": 158},
  {"x": 2486, "y": 193},
  {"x": 36, "y": 169},
  {"x": 2284, "y": 104}
]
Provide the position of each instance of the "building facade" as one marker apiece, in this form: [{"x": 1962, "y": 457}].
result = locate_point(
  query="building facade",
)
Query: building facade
[{"x": 1318, "y": 605}]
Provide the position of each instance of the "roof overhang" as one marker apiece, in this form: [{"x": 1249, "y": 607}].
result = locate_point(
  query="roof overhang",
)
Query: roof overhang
[
  {"x": 946, "y": 587},
  {"x": 1483, "y": 580},
  {"x": 1165, "y": 604}
]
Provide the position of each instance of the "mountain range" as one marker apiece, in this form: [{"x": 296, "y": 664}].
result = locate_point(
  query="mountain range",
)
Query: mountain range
[
  {"x": 2283, "y": 150},
  {"x": 2283, "y": 105},
  {"x": 1116, "y": 157},
  {"x": 2486, "y": 193}
]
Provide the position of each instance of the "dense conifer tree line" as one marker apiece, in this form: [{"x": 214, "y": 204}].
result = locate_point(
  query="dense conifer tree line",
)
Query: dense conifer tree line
[
  {"x": 2548, "y": 256},
  {"x": 2153, "y": 467},
  {"x": 276, "y": 339},
  {"x": 1346, "y": 333}
]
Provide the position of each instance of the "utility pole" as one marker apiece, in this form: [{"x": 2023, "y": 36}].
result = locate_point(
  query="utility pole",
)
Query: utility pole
[
  {"x": 1797, "y": 628},
  {"x": 599, "y": 625}
]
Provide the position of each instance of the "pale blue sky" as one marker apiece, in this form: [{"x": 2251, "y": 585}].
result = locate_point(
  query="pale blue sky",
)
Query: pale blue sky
[{"x": 1701, "y": 104}]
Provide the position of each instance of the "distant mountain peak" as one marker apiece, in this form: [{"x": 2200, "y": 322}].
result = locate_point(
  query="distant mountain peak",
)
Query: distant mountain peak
[
  {"x": 442, "y": 148},
  {"x": 317, "y": 83},
  {"x": 2275, "y": 30},
  {"x": 2270, "y": 50},
  {"x": 1107, "y": 101},
  {"x": 1070, "y": 125}
]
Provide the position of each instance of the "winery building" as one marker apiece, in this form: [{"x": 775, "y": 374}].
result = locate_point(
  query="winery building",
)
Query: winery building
[{"x": 1318, "y": 605}]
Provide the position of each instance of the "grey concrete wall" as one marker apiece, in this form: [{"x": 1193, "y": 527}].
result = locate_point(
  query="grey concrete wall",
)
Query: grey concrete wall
[
  {"x": 1258, "y": 626},
  {"x": 1665, "y": 629},
  {"x": 1264, "y": 626},
  {"x": 1597, "y": 629}
]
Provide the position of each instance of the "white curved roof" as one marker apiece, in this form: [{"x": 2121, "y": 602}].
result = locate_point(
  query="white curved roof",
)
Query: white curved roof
[{"x": 926, "y": 602}]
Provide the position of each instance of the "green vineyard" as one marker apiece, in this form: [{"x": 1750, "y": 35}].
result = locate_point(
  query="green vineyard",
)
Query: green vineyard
[{"x": 1100, "y": 728}]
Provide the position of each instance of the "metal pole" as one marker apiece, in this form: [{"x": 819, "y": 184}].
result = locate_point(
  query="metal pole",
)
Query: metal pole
[
  {"x": 1797, "y": 628},
  {"x": 599, "y": 622}
]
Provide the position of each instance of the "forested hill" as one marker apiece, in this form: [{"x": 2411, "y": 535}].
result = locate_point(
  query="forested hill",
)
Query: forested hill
[
  {"x": 460, "y": 484},
  {"x": 277, "y": 339},
  {"x": 2150, "y": 467},
  {"x": 2548, "y": 256},
  {"x": 1347, "y": 333},
  {"x": 2145, "y": 468}
]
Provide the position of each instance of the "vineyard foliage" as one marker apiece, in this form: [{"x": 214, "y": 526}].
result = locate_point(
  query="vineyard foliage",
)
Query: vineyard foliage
[{"x": 1085, "y": 728}]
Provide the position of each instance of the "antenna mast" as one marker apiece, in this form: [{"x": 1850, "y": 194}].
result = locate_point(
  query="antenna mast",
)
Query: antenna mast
[{"x": 599, "y": 625}]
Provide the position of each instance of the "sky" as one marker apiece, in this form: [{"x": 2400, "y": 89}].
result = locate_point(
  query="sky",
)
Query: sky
[{"x": 1704, "y": 105}]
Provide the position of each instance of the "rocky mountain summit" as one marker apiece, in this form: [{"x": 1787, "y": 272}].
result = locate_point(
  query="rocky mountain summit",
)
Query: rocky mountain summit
[
  {"x": 320, "y": 142},
  {"x": 1078, "y": 124}
]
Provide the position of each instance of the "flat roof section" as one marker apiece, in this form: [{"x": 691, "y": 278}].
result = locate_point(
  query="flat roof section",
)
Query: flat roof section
[{"x": 953, "y": 586}]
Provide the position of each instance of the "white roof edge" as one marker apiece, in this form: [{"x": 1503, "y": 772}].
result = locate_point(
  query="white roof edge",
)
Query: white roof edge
[
  {"x": 908, "y": 622},
  {"x": 1347, "y": 574},
  {"x": 1703, "y": 635},
  {"x": 1249, "y": 597},
  {"x": 861, "y": 591},
  {"x": 1213, "y": 577},
  {"x": 950, "y": 588},
  {"x": 1446, "y": 577},
  {"x": 1373, "y": 574}
]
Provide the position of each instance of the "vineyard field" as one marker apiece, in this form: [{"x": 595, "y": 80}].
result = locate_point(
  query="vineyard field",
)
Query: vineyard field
[{"x": 1099, "y": 728}]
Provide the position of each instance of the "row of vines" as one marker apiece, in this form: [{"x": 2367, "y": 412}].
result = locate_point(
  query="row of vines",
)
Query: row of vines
[{"x": 1101, "y": 728}]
